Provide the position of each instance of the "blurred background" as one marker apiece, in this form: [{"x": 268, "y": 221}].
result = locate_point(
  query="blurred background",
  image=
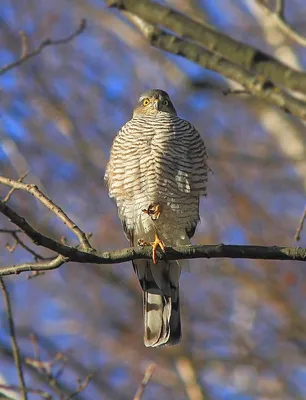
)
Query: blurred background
[{"x": 244, "y": 321}]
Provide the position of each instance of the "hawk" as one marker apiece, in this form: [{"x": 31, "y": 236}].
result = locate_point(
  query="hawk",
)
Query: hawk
[{"x": 156, "y": 173}]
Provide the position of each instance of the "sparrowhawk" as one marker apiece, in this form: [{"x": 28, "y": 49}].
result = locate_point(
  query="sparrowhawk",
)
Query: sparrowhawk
[{"x": 156, "y": 173}]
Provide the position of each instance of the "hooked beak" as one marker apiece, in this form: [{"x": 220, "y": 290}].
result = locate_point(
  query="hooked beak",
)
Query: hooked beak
[{"x": 155, "y": 104}]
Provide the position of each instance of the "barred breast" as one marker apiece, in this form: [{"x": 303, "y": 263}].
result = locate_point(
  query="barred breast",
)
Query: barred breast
[{"x": 158, "y": 159}]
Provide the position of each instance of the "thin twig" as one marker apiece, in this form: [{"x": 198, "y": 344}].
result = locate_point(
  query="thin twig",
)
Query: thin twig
[
  {"x": 33, "y": 189},
  {"x": 24, "y": 44},
  {"x": 8, "y": 196},
  {"x": 297, "y": 235},
  {"x": 14, "y": 234},
  {"x": 48, "y": 42},
  {"x": 15, "y": 347},
  {"x": 81, "y": 386},
  {"x": 147, "y": 376}
]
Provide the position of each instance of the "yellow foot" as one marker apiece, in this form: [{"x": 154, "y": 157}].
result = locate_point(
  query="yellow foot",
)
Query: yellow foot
[
  {"x": 157, "y": 243},
  {"x": 153, "y": 211}
]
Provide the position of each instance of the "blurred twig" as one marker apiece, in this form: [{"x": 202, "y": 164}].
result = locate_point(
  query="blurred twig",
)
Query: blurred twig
[
  {"x": 279, "y": 17},
  {"x": 147, "y": 376},
  {"x": 297, "y": 235},
  {"x": 15, "y": 347},
  {"x": 187, "y": 374},
  {"x": 81, "y": 386},
  {"x": 25, "y": 55},
  {"x": 42, "y": 393}
]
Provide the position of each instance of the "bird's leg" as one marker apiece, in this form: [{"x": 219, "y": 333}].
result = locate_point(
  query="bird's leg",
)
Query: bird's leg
[
  {"x": 154, "y": 211},
  {"x": 157, "y": 243}
]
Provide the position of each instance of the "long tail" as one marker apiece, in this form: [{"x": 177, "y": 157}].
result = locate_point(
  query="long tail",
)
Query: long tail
[{"x": 161, "y": 302}]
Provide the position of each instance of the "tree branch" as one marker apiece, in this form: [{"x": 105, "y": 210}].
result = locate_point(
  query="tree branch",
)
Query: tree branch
[
  {"x": 25, "y": 56},
  {"x": 147, "y": 376},
  {"x": 238, "y": 53},
  {"x": 15, "y": 347},
  {"x": 279, "y": 17},
  {"x": 259, "y": 87},
  {"x": 86, "y": 254},
  {"x": 33, "y": 189}
]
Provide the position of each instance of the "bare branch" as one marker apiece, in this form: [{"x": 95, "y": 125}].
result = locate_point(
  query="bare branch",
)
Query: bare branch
[
  {"x": 81, "y": 386},
  {"x": 147, "y": 376},
  {"x": 15, "y": 347},
  {"x": 187, "y": 373},
  {"x": 33, "y": 189},
  {"x": 8, "y": 196},
  {"x": 25, "y": 56},
  {"x": 67, "y": 253},
  {"x": 279, "y": 17},
  {"x": 257, "y": 85},
  {"x": 297, "y": 235},
  {"x": 239, "y": 54},
  {"x": 18, "y": 241}
]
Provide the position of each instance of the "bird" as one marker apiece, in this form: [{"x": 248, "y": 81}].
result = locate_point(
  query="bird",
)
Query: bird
[{"x": 156, "y": 173}]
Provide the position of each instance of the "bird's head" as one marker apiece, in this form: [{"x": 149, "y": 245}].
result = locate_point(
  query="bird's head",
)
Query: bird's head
[{"x": 153, "y": 101}]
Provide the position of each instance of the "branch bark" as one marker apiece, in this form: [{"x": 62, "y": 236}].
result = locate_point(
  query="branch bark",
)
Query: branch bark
[
  {"x": 86, "y": 254},
  {"x": 238, "y": 53},
  {"x": 254, "y": 84}
]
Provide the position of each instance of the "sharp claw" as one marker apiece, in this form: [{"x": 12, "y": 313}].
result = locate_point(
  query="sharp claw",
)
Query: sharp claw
[{"x": 157, "y": 243}]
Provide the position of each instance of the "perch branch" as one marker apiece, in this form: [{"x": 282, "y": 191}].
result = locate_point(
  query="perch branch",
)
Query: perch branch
[{"x": 86, "y": 254}]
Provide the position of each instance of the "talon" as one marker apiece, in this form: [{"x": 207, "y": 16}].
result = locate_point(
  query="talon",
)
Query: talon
[
  {"x": 154, "y": 211},
  {"x": 157, "y": 243}
]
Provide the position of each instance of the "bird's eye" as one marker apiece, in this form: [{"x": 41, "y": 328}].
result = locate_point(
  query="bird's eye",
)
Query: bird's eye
[
  {"x": 146, "y": 102},
  {"x": 165, "y": 102}
]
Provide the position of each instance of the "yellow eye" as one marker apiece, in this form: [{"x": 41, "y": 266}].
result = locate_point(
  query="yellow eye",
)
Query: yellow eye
[
  {"x": 146, "y": 102},
  {"x": 165, "y": 102}
]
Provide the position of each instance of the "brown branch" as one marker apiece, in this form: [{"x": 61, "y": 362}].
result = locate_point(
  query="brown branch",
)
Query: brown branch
[
  {"x": 33, "y": 189},
  {"x": 257, "y": 85},
  {"x": 279, "y": 17},
  {"x": 297, "y": 235},
  {"x": 240, "y": 54},
  {"x": 187, "y": 374},
  {"x": 18, "y": 241},
  {"x": 147, "y": 376},
  {"x": 15, "y": 347},
  {"x": 67, "y": 253},
  {"x": 8, "y": 196},
  {"x": 25, "y": 56}
]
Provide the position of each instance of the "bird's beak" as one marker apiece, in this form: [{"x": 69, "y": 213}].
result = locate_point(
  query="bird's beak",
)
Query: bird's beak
[{"x": 155, "y": 104}]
